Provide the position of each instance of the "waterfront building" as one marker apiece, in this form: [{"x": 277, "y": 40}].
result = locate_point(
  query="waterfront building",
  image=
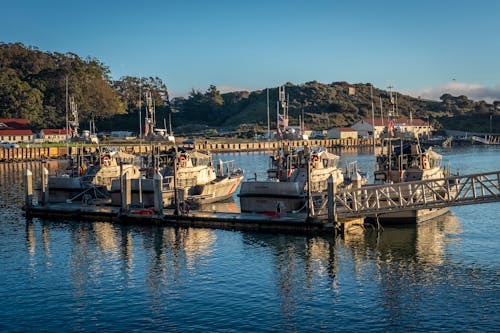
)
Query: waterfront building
[
  {"x": 15, "y": 130},
  {"x": 411, "y": 126},
  {"x": 54, "y": 135},
  {"x": 342, "y": 133}
]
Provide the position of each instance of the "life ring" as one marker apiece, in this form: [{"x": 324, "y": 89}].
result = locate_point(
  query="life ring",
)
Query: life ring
[
  {"x": 182, "y": 158},
  {"x": 106, "y": 161},
  {"x": 425, "y": 163},
  {"x": 314, "y": 162}
]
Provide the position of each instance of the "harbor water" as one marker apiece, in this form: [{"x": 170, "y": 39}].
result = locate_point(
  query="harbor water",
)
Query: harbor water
[{"x": 70, "y": 276}]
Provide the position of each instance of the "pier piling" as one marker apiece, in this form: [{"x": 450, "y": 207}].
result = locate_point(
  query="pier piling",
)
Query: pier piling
[
  {"x": 28, "y": 188},
  {"x": 45, "y": 185},
  {"x": 126, "y": 194},
  {"x": 158, "y": 192}
]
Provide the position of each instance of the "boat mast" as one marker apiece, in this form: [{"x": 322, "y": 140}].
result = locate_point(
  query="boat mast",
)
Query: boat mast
[
  {"x": 74, "y": 113},
  {"x": 140, "y": 108},
  {"x": 381, "y": 111},
  {"x": 150, "y": 115},
  {"x": 268, "y": 120},
  {"x": 66, "y": 105},
  {"x": 373, "y": 118}
]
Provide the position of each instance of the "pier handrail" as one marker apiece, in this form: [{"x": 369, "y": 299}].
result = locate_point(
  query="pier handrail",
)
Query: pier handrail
[{"x": 425, "y": 194}]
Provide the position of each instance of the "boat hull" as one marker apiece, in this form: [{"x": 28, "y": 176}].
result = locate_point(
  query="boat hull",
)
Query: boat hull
[
  {"x": 270, "y": 196},
  {"x": 142, "y": 192}
]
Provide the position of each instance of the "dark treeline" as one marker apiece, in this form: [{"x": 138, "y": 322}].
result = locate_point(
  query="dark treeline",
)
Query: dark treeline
[{"x": 33, "y": 86}]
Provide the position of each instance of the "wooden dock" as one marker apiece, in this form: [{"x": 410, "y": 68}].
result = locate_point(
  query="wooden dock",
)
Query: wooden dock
[{"x": 283, "y": 223}]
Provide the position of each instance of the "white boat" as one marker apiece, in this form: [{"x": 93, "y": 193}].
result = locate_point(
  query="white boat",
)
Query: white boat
[
  {"x": 402, "y": 162},
  {"x": 197, "y": 180},
  {"x": 286, "y": 188},
  {"x": 91, "y": 176}
]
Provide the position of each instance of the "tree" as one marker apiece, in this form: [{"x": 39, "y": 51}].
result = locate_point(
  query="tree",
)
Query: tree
[{"x": 18, "y": 99}]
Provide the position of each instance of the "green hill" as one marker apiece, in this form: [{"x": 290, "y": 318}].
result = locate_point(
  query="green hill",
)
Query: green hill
[{"x": 33, "y": 86}]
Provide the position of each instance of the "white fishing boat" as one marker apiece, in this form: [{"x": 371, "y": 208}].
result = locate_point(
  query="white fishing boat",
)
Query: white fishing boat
[
  {"x": 400, "y": 162},
  {"x": 197, "y": 180},
  {"x": 91, "y": 175},
  {"x": 292, "y": 175}
]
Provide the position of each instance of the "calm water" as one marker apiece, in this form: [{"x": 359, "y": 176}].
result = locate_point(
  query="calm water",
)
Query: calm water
[{"x": 70, "y": 276}]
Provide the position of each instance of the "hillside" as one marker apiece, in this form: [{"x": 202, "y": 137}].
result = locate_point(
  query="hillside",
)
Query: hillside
[
  {"x": 33, "y": 86},
  {"x": 330, "y": 105}
]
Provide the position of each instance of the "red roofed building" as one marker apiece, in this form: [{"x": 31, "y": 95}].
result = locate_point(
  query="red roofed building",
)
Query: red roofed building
[
  {"x": 415, "y": 127},
  {"x": 342, "y": 133},
  {"x": 15, "y": 130},
  {"x": 54, "y": 135}
]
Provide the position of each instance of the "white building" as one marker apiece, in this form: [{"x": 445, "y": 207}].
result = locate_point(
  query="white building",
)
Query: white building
[
  {"x": 15, "y": 130},
  {"x": 412, "y": 127},
  {"x": 54, "y": 135},
  {"x": 342, "y": 133}
]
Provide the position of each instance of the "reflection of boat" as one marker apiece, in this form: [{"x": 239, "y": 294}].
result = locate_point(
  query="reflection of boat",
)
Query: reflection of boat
[
  {"x": 423, "y": 243},
  {"x": 406, "y": 162},
  {"x": 92, "y": 175},
  {"x": 198, "y": 181},
  {"x": 286, "y": 188}
]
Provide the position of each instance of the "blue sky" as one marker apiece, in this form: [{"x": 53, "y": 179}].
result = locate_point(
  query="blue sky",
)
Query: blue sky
[{"x": 420, "y": 47}]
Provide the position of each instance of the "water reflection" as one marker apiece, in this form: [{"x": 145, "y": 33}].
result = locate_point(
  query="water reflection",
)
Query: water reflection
[
  {"x": 396, "y": 260},
  {"x": 100, "y": 246}
]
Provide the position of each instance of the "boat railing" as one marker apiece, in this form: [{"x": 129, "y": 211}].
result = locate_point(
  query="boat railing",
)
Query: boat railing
[
  {"x": 168, "y": 183},
  {"x": 226, "y": 168}
]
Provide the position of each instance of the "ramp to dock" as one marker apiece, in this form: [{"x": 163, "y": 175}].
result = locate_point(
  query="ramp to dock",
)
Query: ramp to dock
[{"x": 433, "y": 193}]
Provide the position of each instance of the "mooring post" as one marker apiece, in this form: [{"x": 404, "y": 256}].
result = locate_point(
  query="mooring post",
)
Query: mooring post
[
  {"x": 331, "y": 200},
  {"x": 126, "y": 193},
  {"x": 28, "y": 188},
  {"x": 45, "y": 185},
  {"x": 158, "y": 192}
]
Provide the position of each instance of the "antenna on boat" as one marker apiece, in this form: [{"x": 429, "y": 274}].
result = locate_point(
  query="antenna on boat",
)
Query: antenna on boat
[
  {"x": 381, "y": 111},
  {"x": 140, "y": 108},
  {"x": 66, "y": 105},
  {"x": 268, "y": 124},
  {"x": 373, "y": 118},
  {"x": 74, "y": 113}
]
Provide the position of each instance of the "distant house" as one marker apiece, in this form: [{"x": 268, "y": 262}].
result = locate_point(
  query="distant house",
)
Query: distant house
[
  {"x": 413, "y": 127},
  {"x": 342, "y": 133},
  {"x": 54, "y": 135},
  {"x": 15, "y": 130}
]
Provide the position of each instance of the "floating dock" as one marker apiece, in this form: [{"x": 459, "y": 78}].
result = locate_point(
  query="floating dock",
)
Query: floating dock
[
  {"x": 338, "y": 212},
  {"x": 293, "y": 223}
]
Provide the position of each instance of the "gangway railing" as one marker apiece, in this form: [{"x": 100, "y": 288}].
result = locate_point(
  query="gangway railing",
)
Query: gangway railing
[{"x": 432, "y": 193}]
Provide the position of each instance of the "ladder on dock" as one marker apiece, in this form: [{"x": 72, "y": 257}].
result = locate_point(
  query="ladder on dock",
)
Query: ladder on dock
[{"x": 432, "y": 193}]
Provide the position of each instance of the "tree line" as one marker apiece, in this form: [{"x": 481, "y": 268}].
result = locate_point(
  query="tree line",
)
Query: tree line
[{"x": 33, "y": 85}]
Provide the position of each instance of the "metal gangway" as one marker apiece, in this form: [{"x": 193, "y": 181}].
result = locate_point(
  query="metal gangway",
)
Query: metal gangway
[{"x": 432, "y": 193}]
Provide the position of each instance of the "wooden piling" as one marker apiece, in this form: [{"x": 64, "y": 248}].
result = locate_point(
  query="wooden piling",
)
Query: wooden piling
[
  {"x": 28, "y": 188},
  {"x": 45, "y": 185},
  {"x": 331, "y": 200},
  {"x": 126, "y": 193},
  {"x": 158, "y": 192}
]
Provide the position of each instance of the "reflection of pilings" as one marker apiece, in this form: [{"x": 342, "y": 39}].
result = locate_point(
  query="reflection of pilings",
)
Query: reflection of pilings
[{"x": 127, "y": 247}]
